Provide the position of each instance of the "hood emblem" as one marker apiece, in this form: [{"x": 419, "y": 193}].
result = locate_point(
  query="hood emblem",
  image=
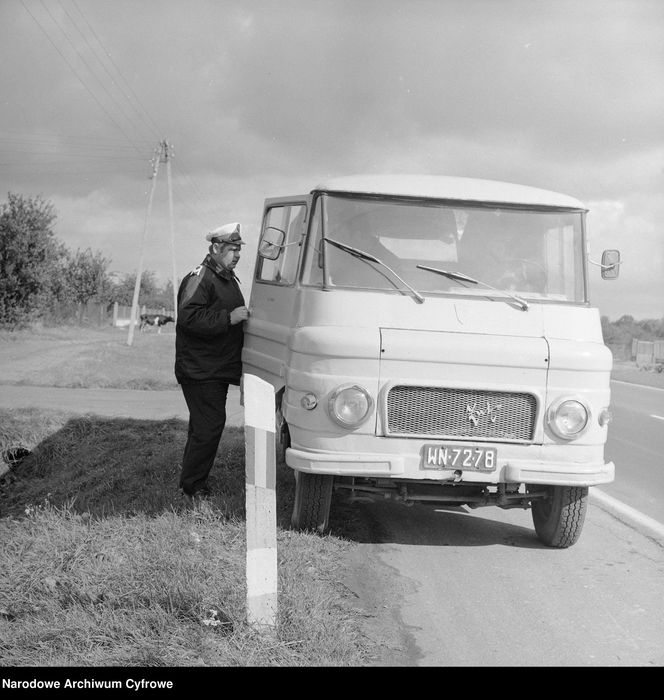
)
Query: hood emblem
[{"x": 475, "y": 413}]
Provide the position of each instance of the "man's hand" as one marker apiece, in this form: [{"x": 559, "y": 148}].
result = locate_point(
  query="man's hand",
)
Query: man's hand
[{"x": 239, "y": 314}]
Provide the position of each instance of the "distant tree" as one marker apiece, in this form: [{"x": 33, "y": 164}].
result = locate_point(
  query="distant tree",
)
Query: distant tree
[
  {"x": 615, "y": 334},
  {"x": 163, "y": 297},
  {"x": 123, "y": 292},
  {"x": 30, "y": 257},
  {"x": 87, "y": 276},
  {"x": 168, "y": 291},
  {"x": 82, "y": 278},
  {"x": 620, "y": 334},
  {"x": 652, "y": 328},
  {"x": 609, "y": 331}
]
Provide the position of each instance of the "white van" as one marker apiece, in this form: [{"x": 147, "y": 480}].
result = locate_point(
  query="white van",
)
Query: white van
[{"x": 430, "y": 339}]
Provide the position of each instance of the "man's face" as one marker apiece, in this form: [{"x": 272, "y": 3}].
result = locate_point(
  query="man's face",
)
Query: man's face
[{"x": 226, "y": 255}]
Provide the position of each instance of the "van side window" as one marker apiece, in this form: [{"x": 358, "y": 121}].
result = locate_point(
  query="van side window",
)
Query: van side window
[{"x": 290, "y": 220}]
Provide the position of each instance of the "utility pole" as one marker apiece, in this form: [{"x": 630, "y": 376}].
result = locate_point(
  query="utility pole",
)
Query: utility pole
[
  {"x": 168, "y": 156},
  {"x": 139, "y": 272}
]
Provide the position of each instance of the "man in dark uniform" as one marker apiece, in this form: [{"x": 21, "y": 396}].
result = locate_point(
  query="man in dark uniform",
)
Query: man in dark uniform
[{"x": 208, "y": 346}]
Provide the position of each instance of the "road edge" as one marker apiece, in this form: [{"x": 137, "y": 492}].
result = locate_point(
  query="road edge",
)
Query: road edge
[
  {"x": 642, "y": 386},
  {"x": 648, "y": 526}
]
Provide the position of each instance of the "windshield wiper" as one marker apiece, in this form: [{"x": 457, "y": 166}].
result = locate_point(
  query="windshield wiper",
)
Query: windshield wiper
[
  {"x": 464, "y": 278},
  {"x": 367, "y": 257}
]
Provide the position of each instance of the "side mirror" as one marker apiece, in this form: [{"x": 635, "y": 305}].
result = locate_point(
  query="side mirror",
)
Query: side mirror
[
  {"x": 271, "y": 243},
  {"x": 610, "y": 264}
]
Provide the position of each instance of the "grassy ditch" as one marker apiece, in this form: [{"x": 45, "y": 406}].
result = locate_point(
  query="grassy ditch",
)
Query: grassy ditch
[{"x": 101, "y": 565}]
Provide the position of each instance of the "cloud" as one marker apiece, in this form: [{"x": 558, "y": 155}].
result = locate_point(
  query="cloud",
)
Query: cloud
[
  {"x": 261, "y": 99},
  {"x": 630, "y": 227}
]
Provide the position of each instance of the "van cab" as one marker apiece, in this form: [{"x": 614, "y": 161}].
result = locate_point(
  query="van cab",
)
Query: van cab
[{"x": 430, "y": 339}]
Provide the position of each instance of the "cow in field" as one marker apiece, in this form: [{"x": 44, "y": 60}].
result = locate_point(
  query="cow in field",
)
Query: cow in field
[{"x": 158, "y": 320}]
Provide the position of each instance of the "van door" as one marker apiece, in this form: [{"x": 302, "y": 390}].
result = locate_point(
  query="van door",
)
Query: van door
[{"x": 274, "y": 288}]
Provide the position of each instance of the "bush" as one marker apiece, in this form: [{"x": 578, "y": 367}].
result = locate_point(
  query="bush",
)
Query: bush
[{"x": 30, "y": 257}]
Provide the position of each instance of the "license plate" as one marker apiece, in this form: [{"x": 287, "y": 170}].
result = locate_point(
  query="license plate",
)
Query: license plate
[{"x": 462, "y": 457}]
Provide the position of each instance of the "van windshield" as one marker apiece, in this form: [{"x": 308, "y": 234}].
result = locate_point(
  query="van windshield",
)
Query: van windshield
[{"x": 534, "y": 254}]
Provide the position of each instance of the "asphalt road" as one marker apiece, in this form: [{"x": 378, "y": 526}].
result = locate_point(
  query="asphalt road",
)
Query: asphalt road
[
  {"x": 143, "y": 405},
  {"x": 636, "y": 445},
  {"x": 476, "y": 588}
]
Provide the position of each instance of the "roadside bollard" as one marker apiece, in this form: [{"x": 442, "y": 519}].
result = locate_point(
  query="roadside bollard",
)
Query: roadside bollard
[{"x": 259, "y": 431}]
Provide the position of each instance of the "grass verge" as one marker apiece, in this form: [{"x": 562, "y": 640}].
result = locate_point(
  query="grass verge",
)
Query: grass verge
[
  {"x": 88, "y": 358},
  {"x": 100, "y": 565}
]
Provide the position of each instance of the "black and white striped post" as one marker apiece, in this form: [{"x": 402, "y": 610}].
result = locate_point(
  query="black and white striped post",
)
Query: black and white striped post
[{"x": 259, "y": 431}]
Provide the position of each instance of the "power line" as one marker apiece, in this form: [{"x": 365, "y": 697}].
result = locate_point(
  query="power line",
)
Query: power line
[
  {"x": 198, "y": 196},
  {"x": 80, "y": 142},
  {"x": 87, "y": 65},
  {"x": 110, "y": 58},
  {"x": 119, "y": 72},
  {"x": 63, "y": 171},
  {"x": 101, "y": 63},
  {"x": 73, "y": 70},
  {"x": 58, "y": 137},
  {"x": 51, "y": 154}
]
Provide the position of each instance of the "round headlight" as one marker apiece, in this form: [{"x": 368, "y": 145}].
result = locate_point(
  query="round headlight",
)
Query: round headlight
[
  {"x": 349, "y": 406},
  {"x": 568, "y": 418}
]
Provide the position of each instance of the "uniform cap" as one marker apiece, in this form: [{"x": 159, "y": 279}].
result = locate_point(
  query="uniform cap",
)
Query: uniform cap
[{"x": 228, "y": 233}]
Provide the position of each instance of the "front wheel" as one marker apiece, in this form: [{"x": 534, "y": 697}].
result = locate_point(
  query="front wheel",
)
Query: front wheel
[
  {"x": 559, "y": 517},
  {"x": 313, "y": 496},
  {"x": 282, "y": 436}
]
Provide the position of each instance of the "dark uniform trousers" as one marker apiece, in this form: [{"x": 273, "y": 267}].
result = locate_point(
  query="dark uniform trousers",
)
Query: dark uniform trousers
[{"x": 206, "y": 402}]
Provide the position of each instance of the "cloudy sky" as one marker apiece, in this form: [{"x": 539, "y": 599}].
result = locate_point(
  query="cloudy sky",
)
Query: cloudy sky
[{"x": 261, "y": 98}]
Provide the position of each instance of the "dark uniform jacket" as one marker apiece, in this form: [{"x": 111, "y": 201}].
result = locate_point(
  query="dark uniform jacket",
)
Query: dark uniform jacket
[{"x": 207, "y": 346}]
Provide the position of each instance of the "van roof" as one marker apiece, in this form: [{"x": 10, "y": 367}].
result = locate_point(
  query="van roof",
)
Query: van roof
[{"x": 450, "y": 188}]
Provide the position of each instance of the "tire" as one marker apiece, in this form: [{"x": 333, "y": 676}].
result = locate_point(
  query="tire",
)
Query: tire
[
  {"x": 558, "y": 519},
  {"x": 313, "y": 496},
  {"x": 282, "y": 436}
]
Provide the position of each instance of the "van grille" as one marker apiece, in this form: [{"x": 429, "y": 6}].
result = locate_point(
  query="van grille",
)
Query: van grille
[{"x": 460, "y": 413}]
